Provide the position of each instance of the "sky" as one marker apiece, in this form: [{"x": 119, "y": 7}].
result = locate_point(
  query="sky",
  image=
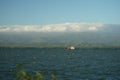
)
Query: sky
[{"x": 45, "y": 12}]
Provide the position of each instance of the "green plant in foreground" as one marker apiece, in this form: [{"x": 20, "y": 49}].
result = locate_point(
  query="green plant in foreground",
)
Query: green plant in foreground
[
  {"x": 54, "y": 77},
  {"x": 23, "y": 75},
  {"x": 39, "y": 76}
]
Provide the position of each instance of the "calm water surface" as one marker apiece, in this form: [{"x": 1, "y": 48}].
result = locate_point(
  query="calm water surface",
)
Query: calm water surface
[{"x": 79, "y": 64}]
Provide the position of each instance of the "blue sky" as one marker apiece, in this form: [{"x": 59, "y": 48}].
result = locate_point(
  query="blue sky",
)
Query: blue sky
[{"x": 39, "y": 12}]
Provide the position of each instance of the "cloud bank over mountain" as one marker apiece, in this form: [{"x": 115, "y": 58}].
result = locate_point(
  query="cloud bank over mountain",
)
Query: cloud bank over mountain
[
  {"x": 79, "y": 34},
  {"x": 66, "y": 27}
]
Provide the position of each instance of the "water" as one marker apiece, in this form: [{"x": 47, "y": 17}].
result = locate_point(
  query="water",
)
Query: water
[{"x": 79, "y": 64}]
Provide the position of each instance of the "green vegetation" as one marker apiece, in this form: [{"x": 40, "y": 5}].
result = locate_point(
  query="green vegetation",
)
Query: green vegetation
[
  {"x": 78, "y": 47},
  {"x": 23, "y": 75},
  {"x": 33, "y": 46}
]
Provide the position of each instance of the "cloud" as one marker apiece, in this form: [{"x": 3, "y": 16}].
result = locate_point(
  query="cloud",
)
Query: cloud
[
  {"x": 66, "y": 27},
  {"x": 93, "y": 28}
]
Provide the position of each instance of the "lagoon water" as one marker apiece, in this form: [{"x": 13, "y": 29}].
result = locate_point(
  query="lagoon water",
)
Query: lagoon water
[{"x": 79, "y": 64}]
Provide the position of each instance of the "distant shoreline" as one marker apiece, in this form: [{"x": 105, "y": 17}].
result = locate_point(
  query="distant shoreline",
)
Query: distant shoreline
[{"x": 65, "y": 47}]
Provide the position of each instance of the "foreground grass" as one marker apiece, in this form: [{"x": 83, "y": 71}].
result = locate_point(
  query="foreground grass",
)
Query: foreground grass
[{"x": 23, "y": 75}]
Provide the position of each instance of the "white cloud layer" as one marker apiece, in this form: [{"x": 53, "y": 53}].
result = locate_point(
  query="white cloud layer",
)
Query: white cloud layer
[{"x": 67, "y": 27}]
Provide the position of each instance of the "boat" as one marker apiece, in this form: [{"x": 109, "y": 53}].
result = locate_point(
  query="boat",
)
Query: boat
[{"x": 71, "y": 48}]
